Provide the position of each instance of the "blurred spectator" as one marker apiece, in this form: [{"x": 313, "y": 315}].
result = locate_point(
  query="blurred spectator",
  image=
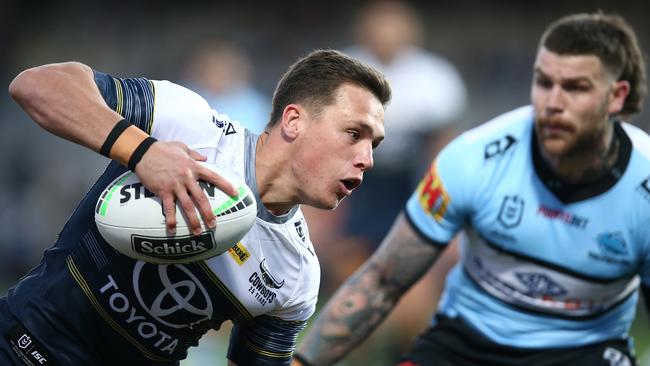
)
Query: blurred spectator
[
  {"x": 27, "y": 183},
  {"x": 429, "y": 95},
  {"x": 221, "y": 73}
]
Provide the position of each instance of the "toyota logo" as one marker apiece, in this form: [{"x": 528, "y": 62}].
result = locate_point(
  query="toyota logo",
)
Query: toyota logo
[{"x": 171, "y": 294}]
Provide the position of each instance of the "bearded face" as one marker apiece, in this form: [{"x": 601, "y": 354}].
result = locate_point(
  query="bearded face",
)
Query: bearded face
[{"x": 573, "y": 97}]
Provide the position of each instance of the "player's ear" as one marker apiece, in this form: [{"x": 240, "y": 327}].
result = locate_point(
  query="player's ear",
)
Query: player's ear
[
  {"x": 290, "y": 124},
  {"x": 620, "y": 91}
]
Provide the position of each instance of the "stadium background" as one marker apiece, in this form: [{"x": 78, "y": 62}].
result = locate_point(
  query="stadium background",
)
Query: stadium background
[{"x": 42, "y": 178}]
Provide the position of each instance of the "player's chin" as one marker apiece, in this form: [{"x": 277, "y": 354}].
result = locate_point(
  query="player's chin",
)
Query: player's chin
[
  {"x": 555, "y": 146},
  {"x": 330, "y": 203}
]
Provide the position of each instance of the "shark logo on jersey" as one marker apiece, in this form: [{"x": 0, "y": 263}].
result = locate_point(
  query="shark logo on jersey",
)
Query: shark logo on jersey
[
  {"x": 511, "y": 212},
  {"x": 498, "y": 147},
  {"x": 612, "y": 243},
  {"x": 613, "y": 249},
  {"x": 539, "y": 284}
]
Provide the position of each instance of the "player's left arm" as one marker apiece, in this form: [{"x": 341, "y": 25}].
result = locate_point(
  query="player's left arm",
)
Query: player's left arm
[
  {"x": 368, "y": 296},
  {"x": 263, "y": 341}
]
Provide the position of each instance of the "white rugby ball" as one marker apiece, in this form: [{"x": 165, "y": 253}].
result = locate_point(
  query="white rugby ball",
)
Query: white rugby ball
[{"x": 130, "y": 218}]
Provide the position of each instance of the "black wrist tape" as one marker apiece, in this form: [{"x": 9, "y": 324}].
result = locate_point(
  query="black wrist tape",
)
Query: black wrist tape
[
  {"x": 112, "y": 137},
  {"x": 139, "y": 152}
]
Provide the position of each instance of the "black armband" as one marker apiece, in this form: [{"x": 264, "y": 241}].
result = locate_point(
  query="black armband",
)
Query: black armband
[
  {"x": 139, "y": 152},
  {"x": 117, "y": 130}
]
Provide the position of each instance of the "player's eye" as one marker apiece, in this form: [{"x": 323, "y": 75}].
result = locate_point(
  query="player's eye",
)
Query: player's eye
[
  {"x": 543, "y": 82},
  {"x": 355, "y": 135},
  {"x": 577, "y": 87}
]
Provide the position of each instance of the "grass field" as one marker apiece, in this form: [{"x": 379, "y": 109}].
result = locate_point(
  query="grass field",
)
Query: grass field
[{"x": 641, "y": 334}]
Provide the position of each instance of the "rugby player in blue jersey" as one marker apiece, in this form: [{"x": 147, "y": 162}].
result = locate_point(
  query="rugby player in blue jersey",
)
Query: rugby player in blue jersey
[
  {"x": 86, "y": 304},
  {"x": 555, "y": 202}
]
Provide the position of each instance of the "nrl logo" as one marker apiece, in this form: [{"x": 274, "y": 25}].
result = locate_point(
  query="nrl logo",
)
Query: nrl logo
[{"x": 511, "y": 212}]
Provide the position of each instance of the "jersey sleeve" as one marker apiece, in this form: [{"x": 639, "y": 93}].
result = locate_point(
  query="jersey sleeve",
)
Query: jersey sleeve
[
  {"x": 264, "y": 341},
  {"x": 132, "y": 98},
  {"x": 440, "y": 205},
  {"x": 166, "y": 111}
]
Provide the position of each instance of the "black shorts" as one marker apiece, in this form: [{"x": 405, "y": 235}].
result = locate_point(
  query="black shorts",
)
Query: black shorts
[{"x": 451, "y": 342}]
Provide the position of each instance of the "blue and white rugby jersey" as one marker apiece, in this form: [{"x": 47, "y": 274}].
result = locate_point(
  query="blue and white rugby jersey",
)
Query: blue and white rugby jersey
[
  {"x": 87, "y": 302},
  {"x": 543, "y": 264}
]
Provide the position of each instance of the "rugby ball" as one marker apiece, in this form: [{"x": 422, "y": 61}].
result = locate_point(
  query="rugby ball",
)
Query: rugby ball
[{"x": 130, "y": 218}]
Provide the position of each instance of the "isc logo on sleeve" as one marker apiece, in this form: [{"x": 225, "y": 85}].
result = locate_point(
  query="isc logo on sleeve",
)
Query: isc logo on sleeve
[{"x": 27, "y": 348}]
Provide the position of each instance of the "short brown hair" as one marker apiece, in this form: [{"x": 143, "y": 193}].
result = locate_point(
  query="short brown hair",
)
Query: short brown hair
[
  {"x": 314, "y": 79},
  {"x": 612, "y": 40}
]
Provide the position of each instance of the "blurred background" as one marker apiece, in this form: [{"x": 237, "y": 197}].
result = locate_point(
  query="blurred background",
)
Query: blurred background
[{"x": 453, "y": 65}]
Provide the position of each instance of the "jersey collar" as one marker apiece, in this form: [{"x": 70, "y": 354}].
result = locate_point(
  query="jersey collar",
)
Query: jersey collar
[{"x": 569, "y": 193}]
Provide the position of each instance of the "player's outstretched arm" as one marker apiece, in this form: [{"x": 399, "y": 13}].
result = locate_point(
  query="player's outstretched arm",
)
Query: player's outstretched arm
[
  {"x": 367, "y": 297},
  {"x": 64, "y": 100}
]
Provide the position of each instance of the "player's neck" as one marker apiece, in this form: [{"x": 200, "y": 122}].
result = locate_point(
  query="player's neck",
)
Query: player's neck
[
  {"x": 270, "y": 170},
  {"x": 588, "y": 165}
]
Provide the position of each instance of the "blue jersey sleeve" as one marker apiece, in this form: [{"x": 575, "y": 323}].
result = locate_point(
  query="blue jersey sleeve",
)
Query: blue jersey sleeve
[
  {"x": 164, "y": 110},
  {"x": 440, "y": 205},
  {"x": 132, "y": 98},
  {"x": 264, "y": 341}
]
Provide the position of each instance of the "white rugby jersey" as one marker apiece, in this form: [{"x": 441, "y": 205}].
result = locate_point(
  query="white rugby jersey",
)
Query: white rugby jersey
[
  {"x": 280, "y": 244},
  {"x": 545, "y": 264},
  {"x": 115, "y": 309}
]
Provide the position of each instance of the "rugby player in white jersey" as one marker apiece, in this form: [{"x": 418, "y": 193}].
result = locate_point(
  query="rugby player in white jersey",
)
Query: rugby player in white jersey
[
  {"x": 86, "y": 304},
  {"x": 555, "y": 198}
]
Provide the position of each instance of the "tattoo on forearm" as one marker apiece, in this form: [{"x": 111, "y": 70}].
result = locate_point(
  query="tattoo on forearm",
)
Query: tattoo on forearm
[{"x": 368, "y": 296}]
